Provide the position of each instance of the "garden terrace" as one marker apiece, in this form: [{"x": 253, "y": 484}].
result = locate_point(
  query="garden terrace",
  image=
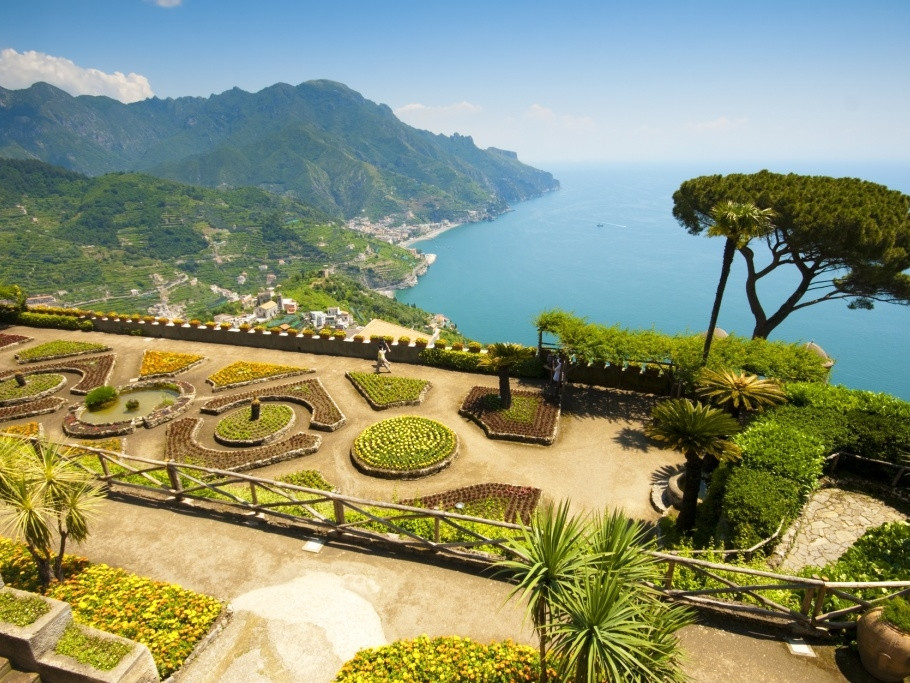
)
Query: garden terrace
[
  {"x": 95, "y": 371},
  {"x": 41, "y": 406},
  {"x": 310, "y": 393},
  {"x": 12, "y": 339},
  {"x": 531, "y": 419},
  {"x": 181, "y": 445}
]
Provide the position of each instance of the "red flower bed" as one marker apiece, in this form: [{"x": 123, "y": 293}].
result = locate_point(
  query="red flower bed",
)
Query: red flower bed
[
  {"x": 38, "y": 407},
  {"x": 181, "y": 445},
  {"x": 12, "y": 340},
  {"x": 540, "y": 430},
  {"x": 327, "y": 416},
  {"x": 520, "y": 501}
]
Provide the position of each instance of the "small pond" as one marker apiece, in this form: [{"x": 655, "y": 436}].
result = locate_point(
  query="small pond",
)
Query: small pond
[{"x": 149, "y": 399}]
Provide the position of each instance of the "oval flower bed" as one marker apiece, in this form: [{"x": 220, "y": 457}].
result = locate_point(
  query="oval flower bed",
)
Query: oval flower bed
[
  {"x": 36, "y": 386},
  {"x": 405, "y": 447},
  {"x": 73, "y": 426},
  {"x": 240, "y": 429}
]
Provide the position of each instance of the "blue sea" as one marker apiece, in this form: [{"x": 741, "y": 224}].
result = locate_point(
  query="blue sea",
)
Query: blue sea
[{"x": 606, "y": 247}]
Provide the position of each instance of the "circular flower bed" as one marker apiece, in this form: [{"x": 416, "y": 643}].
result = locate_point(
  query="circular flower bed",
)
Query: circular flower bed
[
  {"x": 404, "y": 447},
  {"x": 240, "y": 429}
]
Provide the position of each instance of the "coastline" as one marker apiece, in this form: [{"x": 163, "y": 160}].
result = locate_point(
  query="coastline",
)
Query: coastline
[{"x": 435, "y": 232}]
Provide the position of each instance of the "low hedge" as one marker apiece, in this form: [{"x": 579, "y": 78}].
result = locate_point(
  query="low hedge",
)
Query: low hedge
[
  {"x": 785, "y": 450},
  {"x": 465, "y": 361},
  {"x": 755, "y": 502},
  {"x": 48, "y": 320}
]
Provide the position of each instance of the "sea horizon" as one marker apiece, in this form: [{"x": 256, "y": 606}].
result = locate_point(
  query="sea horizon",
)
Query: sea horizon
[{"x": 606, "y": 247}]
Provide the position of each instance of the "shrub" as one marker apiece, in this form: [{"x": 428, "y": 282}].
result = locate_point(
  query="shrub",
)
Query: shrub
[
  {"x": 784, "y": 450},
  {"x": 244, "y": 327},
  {"x": 897, "y": 613},
  {"x": 878, "y": 435},
  {"x": 755, "y": 503},
  {"x": 99, "y": 396},
  {"x": 421, "y": 341},
  {"x": 210, "y": 324},
  {"x": 339, "y": 334},
  {"x": 325, "y": 332},
  {"x": 178, "y": 322},
  {"x": 404, "y": 341},
  {"x": 359, "y": 338},
  {"x": 474, "y": 347},
  {"x": 195, "y": 322},
  {"x": 225, "y": 326},
  {"x": 59, "y": 322},
  {"x": 308, "y": 331},
  {"x": 457, "y": 346}
]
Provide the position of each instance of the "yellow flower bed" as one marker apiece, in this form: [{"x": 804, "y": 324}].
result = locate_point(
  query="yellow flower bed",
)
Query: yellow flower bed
[
  {"x": 27, "y": 429},
  {"x": 166, "y": 362},
  {"x": 168, "y": 619},
  {"x": 245, "y": 371}
]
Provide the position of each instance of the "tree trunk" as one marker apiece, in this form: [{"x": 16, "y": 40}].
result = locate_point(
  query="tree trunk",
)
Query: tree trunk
[
  {"x": 686, "y": 519},
  {"x": 505, "y": 390},
  {"x": 58, "y": 561},
  {"x": 729, "y": 251},
  {"x": 43, "y": 564},
  {"x": 542, "y": 637}
]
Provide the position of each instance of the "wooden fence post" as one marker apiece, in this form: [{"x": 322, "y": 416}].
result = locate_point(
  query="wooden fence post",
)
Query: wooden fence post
[
  {"x": 104, "y": 468},
  {"x": 668, "y": 579},
  {"x": 339, "y": 511},
  {"x": 806, "y": 606},
  {"x": 174, "y": 476}
]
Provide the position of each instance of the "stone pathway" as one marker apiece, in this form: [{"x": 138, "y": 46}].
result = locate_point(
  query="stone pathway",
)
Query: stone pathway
[{"x": 830, "y": 523}]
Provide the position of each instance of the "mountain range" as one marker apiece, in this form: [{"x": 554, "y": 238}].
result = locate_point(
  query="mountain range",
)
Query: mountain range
[{"x": 319, "y": 142}]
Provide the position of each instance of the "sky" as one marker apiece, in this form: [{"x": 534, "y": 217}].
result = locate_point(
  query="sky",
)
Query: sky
[{"x": 569, "y": 81}]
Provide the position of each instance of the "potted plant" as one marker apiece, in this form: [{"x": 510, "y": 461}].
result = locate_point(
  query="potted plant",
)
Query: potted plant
[
  {"x": 457, "y": 346},
  {"x": 421, "y": 342},
  {"x": 404, "y": 341},
  {"x": 308, "y": 332},
  {"x": 325, "y": 333},
  {"x": 359, "y": 338},
  {"x": 339, "y": 334},
  {"x": 883, "y": 639},
  {"x": 474, "y": 347}
]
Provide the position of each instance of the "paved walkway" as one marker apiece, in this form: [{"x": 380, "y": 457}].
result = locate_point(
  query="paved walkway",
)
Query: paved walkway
[
  {"x": 830, "y": 523},
  {"x": 299, "y": 615}
]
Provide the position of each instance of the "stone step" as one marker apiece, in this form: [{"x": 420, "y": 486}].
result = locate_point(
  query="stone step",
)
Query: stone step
[{"x": 10, "y": 675}]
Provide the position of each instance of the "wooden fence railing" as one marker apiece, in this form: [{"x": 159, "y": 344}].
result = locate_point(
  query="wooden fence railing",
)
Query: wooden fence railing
[{"x": 474, "y": 539}]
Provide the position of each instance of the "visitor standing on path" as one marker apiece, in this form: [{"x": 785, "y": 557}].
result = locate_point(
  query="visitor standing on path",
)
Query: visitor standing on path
[{"x": 381, "y": 361}]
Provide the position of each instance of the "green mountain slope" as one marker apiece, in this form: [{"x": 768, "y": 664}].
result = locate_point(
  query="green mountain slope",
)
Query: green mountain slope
[
  {"x": 319, "y": 142},
  {"x": 126, "y": 241}
]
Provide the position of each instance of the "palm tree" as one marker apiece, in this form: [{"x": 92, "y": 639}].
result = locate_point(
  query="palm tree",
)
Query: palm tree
[
  {"x": 43, "y": 494},
  {"x": 696, "y": 431},
  {"x": 739, "y": 392},
  {"x": 607, "y": 633},
  {"x": 739, "y": 223},
  {"x": 549, "y": 554},
  {"x": 500, "y": 358}
]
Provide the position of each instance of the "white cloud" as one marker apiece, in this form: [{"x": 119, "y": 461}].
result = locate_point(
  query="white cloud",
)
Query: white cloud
[
  {"x": 445, "y": 119},
  {"x": 166, "y": 3},
  {"x": 20, "y": 70},
  {"x": 537, "y": 112}
]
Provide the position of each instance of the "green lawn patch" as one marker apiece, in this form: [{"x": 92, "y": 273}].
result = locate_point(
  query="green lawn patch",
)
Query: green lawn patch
[
  {"x": 59, "y": 349},
  {"x": 386, "y": 391}
]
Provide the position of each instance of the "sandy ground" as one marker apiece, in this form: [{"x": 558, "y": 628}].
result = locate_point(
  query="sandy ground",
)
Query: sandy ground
[{"x": 298, "y": 615}]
